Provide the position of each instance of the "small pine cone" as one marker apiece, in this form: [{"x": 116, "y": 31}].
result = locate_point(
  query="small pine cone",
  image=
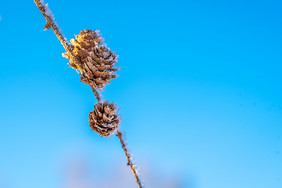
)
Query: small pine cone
[
  {"x": 103, "y": 120},
  {"x": 97, "y": 59}
]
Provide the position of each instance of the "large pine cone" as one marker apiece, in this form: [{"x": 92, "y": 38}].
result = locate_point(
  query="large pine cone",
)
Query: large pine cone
[
  {"x": 97, "y": 60},
  {"x": 103, "y": 120}
]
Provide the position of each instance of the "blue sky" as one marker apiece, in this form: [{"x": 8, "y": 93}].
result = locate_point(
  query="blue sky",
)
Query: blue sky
[{"x": 199, "y": 92}]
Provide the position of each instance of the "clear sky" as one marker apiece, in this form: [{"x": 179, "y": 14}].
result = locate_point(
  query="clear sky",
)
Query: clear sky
[{"x": 199, "y": 93}]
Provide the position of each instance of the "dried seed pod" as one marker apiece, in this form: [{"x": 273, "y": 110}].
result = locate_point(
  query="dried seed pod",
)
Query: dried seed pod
[
  {"x": 97, "y": 60},
  {"x": 103, "y": 119}
]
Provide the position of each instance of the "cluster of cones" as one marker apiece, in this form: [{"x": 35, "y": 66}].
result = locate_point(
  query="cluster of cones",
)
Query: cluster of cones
[{"x": 97, "y": 69}]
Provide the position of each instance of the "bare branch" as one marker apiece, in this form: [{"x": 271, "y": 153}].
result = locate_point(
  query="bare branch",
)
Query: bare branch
[
  {"x": 51, "y": 24},
  {"x": 129, "y": 158}
]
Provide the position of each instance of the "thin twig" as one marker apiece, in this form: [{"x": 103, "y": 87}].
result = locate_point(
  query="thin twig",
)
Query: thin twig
[
  {"x": 97, "y": 95},
  {"x": 50, "y": 23},
  {"x": 129, "y": 159}
]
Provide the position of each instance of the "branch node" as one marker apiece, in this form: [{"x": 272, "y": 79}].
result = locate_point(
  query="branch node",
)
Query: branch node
[{"x": 47, "y": 26}]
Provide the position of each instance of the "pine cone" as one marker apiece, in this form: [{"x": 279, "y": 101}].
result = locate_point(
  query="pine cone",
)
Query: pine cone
[
  {"x": 103, "y": 120},
  {"x": 97, "y": 60}
]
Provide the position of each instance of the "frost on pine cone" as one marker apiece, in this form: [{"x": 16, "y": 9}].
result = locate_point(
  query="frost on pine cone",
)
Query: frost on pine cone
[
  {"x": 97, "y": 60},
  {"x": 103, "y": 120}
]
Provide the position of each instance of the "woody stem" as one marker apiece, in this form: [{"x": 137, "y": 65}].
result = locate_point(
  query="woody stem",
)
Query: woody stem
[
  {"x": 129, "y": 159},
  {"x": 50, "y": 23},
  {"x": 68, "y": 47},
  {"x": 97, "y": 95}
]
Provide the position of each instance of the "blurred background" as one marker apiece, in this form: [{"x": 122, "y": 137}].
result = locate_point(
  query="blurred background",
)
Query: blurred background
[{"x": 199, "y": 93}]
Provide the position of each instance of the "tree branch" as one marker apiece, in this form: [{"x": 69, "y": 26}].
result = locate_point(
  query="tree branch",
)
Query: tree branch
[
  {"x": 129, "y": 158},
  {"x": 44, "y": 9},
  {"x": 68, "y": 47}
]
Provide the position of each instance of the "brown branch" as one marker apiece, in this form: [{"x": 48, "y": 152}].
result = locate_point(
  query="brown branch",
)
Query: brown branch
[
  {"x": 129, "y": 159},
  {"x": 96, "y": 93},
  {"x": 68, "y": 47},
  {"x": 51, "y": 24}
]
